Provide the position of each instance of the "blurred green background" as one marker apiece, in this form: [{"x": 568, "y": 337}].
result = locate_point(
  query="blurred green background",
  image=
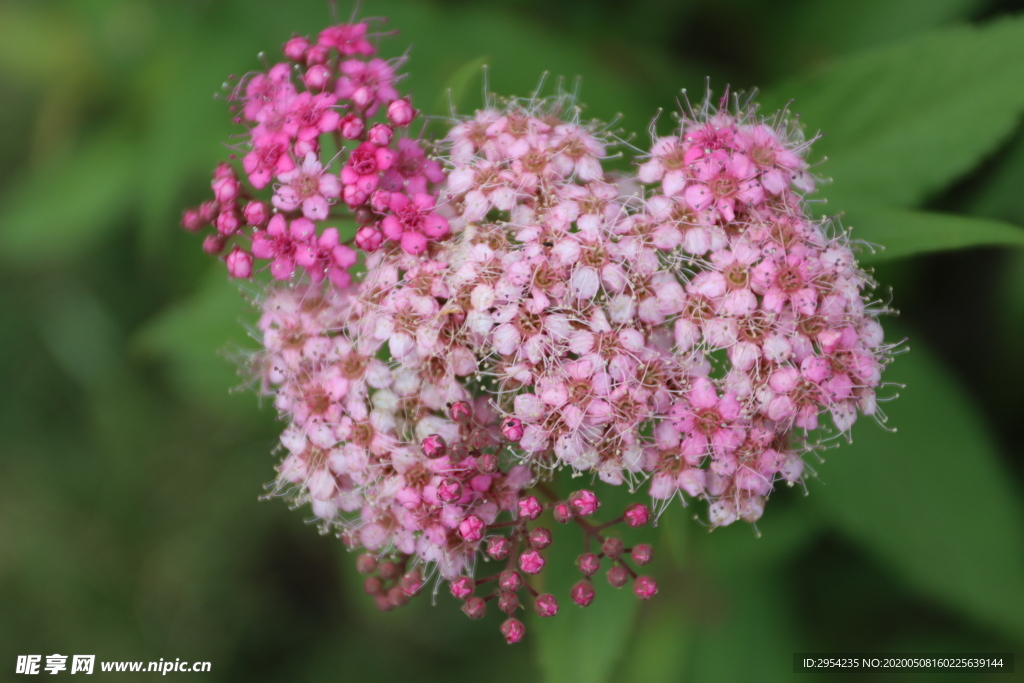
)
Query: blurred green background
[{"x": 129, "y": 521}]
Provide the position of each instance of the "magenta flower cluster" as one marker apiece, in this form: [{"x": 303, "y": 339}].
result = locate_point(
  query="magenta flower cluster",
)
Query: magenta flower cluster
[
  {"x": 685, "y": 329},
  {"x": 303, "y": 115}
]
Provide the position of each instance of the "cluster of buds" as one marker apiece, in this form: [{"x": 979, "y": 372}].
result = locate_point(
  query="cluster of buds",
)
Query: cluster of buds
[
  {"x": 286, "y": 203},
  {"x": 523, "y": 312}
]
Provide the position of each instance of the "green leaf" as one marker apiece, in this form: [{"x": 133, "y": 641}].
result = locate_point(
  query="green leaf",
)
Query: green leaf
[
  {"x": 191, "y": 339},
  {"x": 95, "y": 185},
  {"x": 904, "y": 121},
  {"x": 903, "y": 232},
  {"x": 933, "y": 501}
]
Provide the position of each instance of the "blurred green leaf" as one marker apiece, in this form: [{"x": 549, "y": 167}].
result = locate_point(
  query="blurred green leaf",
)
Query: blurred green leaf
[
  {"x": 904, "y": 232},
  {"x": 188, "y": 336},
  {"x": 933, "y": 500},
  {"x": 658, "y": 651},
  {"x": 904, "y": 121},
  {"x": 70, "y": 204}
]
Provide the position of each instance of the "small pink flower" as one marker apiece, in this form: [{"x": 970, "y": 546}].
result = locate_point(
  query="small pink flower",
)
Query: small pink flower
[{"x": 309, "y": 187}]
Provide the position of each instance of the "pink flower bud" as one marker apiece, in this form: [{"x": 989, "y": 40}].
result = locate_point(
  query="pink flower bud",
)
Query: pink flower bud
[
  {"x": 397, "y": 597},
  {"x": 380, "y": 134},
  {"x": 512, "y": 429},
  {"x": 472, "y": 528},
  {"x": 389, "y": 571},
  {"x": 227, "y": 223},
  {"x": 208, "y": 211},
  {"x": 449, "y": 491},
  {"x": 318, "y": 54},
  {"x": 530, "y": 508},
  {"x": 191, "y": 220},
  {"x": 642, "y": 553},
  {"x": 434, "y": 446},
  {"x": 226, "y": 189},
  {"x": 401, "y": 113},
  {"x": 563, "y": 513},
  {"x": 487, "y": 463},
  {"x": 618, "y": 576},
  {"x": 411, "y": 582},
  {"x": 366, "y": 564},
  {"x": 588, "y": 564},
  {"x": 460, "y": 411},
  {"x": 474, "y": 607},
  {"x": 499, "y": 547},
  {"x": 239, "y": 263},
  {"x": 373, "y": 585},
  {"x": 582, "y": 593},
  {"x": 317, "y": 77},
  {"x": 213, "y": 244},
  {"x": 510, "y": 580},
  {"x": 637, "y": 515},
  {"x": 540, "y": 538},
  {"x": 585, "y": 503},
  {"x": 461, "y": 587},
  {"x": 508, "y": 602},
  {"x": 546, "y": 605},
  {"x": 645, "y": 587},
  {"x": 256, "y": 213},
  {"x": 369, "y": 239},
  {"x": 612, "y": 547},
  {"x": 513, "y": 630},
  {"x": 458, "y": 452},
  {"x": 350, "y": 126},
  {"x": 531, "y": 562},
  {"x": 295, "y": 49},
  {"x": 383, "y": 602}
]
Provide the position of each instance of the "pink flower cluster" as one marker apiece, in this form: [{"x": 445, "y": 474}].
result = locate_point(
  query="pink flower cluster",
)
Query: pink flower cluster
[
  {"x": 686, "y": 328},
  {"x": 302, "y": 115}
]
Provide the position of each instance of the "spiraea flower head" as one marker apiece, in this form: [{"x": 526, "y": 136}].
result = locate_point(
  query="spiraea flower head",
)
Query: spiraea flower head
[{"x": 685, "y": 329}]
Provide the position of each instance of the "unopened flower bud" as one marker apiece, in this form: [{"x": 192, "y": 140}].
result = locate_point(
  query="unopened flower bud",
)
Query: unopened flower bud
[
  {"x": 434, "y": 446},
  {"x": 213, "y": 244},
  {"x": 460, "y": 411},
  {"x": 366, "y": 564},
  {"x": 512, "y": 429},
  {"x": 508, "y": 602},
  {"x": 563, "y": 513},
  {"x": 383, "y": 602},
  {"x": 531, "y": 562},
  {"x": 645, "y": 587},
  {"x": 389, "y": 571},
  {"x": 546, "y": 605},
  {"x": 449, "y": 491},
  {"x": 256, "y": 213},
  {"x": 637, "y": 515},
  {"x": 227, "y": 223},
  {"x": 513, "y": 630},
  {"x": 487, "y": 463},
  {"x": 618, "y": 576},
  {"x": 373, "y": 585},
  {"x": 295, "y": 49},
  {"x": 472, "y": 528},
  {"x": 461, "y": 587},
  {"x": 612, "y": 547},
  {"x": 400, "y": 112},
  {"x": 642, "y": 553},
  {"x": 350, "y": 126},
  {"x": 369, "y": 239},
  {"x": 380, "y": 134},
  {"x": 458, "y": 452},
  {"x": 191, "y": 220},
  {"x": 582, "y": 593},
  {"x": 585, "y": 503},
  {"x": 317, "y": 77},
  {"x": 239, "y": 263},
  {"x": 540, "y": 538},
  {"x": 317, "y": 54},
  {"x": 530, "y": 508},
  {"x": 474, "y": 607},
  {"x": 498, "y": 547},
  {"x": 411, "y": 582},
  {"x": 397, "y": 596},
  {"x": 588, "y": 564},
  {"x": 510, "y": 580}
]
